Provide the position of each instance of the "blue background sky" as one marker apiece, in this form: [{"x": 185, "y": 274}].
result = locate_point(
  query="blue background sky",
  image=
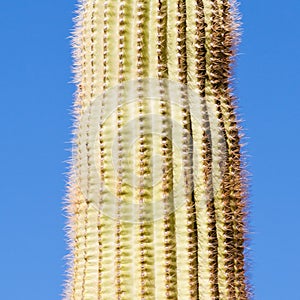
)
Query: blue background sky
[{"x": 36, "y": 98}]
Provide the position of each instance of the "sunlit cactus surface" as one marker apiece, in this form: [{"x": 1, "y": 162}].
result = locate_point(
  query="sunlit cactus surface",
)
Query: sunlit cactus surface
[{"x": 156, "y": 198}]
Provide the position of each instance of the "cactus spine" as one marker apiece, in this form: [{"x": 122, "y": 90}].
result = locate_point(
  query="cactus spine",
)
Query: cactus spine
[{"x": 131, "y": 238}]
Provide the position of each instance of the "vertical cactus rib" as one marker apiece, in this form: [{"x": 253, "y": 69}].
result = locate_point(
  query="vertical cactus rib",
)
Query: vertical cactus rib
[
  {"x": 104, "y": 17},
  {"x": 220, "y": 57},
  {"x": 156, "y": 195},
  {"x": 224, "y": 226},
  {"x": 186, "y": 242},
  {"x": 109, "y": 193},
  {"x": 182, "y": 259},
  {"x": 86, "y": 250},
  {"x": 120, "y": 167},
  {"x": 99, "y": 63},
  {"x": 164, "y": 237},
  {"x": 234, "y": 185},
  {"x": 203, "y": 189},
  {"x": 144, "y": 154},
  {"x": 81, "y": 237},
  {"x": 125, "y": 258},
  {"x": 158, "y": 241},
  {"x": 73, "y": 196},
  {"x": 187, "y": 152},
  {"x": 90, "y": 283},
  {"x": 167, "y": 161}
]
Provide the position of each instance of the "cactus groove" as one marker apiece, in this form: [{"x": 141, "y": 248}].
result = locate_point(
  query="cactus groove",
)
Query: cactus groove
[{"x": 155, "y": 212}]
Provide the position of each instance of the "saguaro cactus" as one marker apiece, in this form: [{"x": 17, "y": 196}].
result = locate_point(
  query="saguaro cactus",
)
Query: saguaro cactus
[{"x": 156, "y": 193}]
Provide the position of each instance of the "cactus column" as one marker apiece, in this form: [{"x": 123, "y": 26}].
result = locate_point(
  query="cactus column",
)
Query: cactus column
[{"x": 156, "y": 193}]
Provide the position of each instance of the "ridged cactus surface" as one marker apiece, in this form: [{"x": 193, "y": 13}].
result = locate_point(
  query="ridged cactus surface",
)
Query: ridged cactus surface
[{"x": 156, "y": 193}]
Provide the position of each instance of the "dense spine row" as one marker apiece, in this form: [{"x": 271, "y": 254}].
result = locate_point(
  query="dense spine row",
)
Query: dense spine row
[{"x": 156, "y": 212}]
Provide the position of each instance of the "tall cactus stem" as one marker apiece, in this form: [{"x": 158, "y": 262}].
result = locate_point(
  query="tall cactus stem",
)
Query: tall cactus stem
[{"x": 157, "y": 191}]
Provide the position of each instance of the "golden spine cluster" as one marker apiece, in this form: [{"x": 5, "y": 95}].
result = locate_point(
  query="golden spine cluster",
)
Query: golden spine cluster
[{"x": 156, "y": 212}]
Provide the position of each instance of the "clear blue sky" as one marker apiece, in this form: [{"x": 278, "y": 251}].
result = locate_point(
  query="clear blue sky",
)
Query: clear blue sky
[{"x": 36, "y": 98}]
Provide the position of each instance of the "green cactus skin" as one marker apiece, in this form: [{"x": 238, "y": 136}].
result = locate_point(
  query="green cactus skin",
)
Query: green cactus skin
[{"x": 195, "y": 250}]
